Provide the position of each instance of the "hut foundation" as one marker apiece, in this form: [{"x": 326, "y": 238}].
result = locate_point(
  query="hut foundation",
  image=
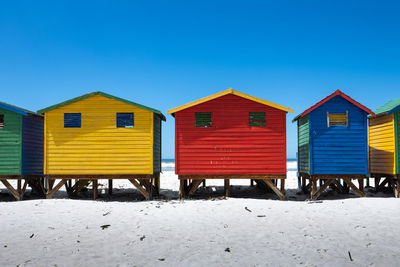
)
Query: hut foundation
[
  {"x": 385, "y": 180},
  {"x": 190, "y": 183},
  {"x": 339, "y": 183},
  {"x": 35, "y": 182},
  {"x": 147, "y": 185}
]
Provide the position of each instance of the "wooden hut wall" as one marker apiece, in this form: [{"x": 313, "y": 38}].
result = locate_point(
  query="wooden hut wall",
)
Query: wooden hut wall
[
  {"x": 339, "y": 150},
  {"x": 10, "y": 143},
  {"x": 98, "y": 146},
  {"x": 230, "y": 145},
  {"x": 32, "y": 145},
  {"x": 303, "y": 131},
  {"x": 382, "y": 145}
]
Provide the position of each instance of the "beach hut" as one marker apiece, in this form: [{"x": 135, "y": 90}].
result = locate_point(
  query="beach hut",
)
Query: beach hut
[
  {"x": 230, "y": 135},
  {"x": 100, "y": 136},
  {"x": 384, "y": 146},
  {"x": 21, "y": 148},
  {"x": 333, "y": 144}
]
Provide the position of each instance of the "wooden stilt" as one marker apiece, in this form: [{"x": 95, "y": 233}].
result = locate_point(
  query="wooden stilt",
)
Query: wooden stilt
[
  {"x": 51, "y": 192},
  {"x": 283, "y": 186},
  {"x": 204, "y": 183},
  {"x": 11, "y": 189},
  {"x": 227, "y": 187},
  {"x": 181, "y": 188},
  {"x": 325, "y": 185},
  {"x": 95, "y": 189},
  {"x": 357, "y": 191},
  {"x": 303, "y": 184},
  {"x": 110, "y": 186},
  {"x": 195, "y": 184},
  {"x": 397, "y": 188},
  {"x": 140, "y": 188},
  {"x": 19, "y": 186},
  {"x": 251, "y": 182},
  {"x": 361, "y": 184},
  {"x": 314, "y": 186},
  {"x": 377, "y": 181},
  {"x": 23, "y": 189},
  {"x": 275, "y": 189}
]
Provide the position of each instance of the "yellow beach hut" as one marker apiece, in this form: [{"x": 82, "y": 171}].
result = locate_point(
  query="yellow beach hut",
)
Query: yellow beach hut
[{"x": 100, "y": 136}]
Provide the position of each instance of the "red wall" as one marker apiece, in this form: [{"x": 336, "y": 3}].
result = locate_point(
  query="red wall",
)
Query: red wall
[{"x": 230, "y": 146}]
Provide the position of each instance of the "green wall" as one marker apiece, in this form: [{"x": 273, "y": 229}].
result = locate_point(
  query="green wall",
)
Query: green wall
[
  {"x": 303, "y": 132},
  {"x": 11, "y": 143},
  {"x": 157, "y": 144}
]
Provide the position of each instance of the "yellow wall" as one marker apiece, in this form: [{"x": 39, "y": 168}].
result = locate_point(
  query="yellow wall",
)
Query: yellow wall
[
  {"x": 99, "y": 147},
  {"x": 382, "y": 145}
]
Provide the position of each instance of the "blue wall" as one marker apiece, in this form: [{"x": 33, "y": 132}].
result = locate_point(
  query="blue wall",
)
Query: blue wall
[
  {"x": 339, "y": 150},
  {"x": 32, "y": 145}
]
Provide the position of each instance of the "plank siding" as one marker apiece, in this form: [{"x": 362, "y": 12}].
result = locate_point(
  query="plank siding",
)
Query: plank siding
[
  {"x": 32, "y": 145},
  {"x": 11, "y": 143},
  {"x": 99, "y": 147},
  {"x": 157, "y": 144},
  {"x": 230, "y": 146},
  {"x": 397, "y": 137},
  {"x": 304, "y": 144},
  {"x": 339, "y": 150},
  {"x": 382, "y": 145}
]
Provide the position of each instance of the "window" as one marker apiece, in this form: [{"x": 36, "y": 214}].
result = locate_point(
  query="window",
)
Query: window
[
  {"x": 72, "y": 120},
  {"x": 257, "y": 119},
  {"x": 1, "y": 121},
  {"x": 203, "y": 119},
  {"x": 125, "y": 120},
  {"x": 338, "y": 119}
]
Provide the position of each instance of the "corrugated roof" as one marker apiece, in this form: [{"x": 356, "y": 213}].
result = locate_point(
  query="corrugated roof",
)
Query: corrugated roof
[
  {"x": 16, "y": 109},
  {"x": 79, "y": 98},
  {"x": 329, "y": 97},
  {"x": 226, "y": 92},
  {"x": 389, "y": 107}
]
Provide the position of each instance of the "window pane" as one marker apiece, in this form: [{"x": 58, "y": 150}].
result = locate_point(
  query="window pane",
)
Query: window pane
[
  {"x": 257, "y": 119},
  {"x": 203, "y": 119},
  {"x": 125, "y": 120},
  {"x": 337, "y": 119},
  {"x": 72, "y": 120},
  {"x": 1, "y": 121}
]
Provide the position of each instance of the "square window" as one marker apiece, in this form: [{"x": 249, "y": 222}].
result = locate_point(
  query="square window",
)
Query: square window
[
  {"x": 72, "y": 120},
  {"x": 337, "y": 119},
  {"x": 257, "y": 119},
  {"x": 125, "y": 120},
  {"x": 1, "y": 121},
  {"x": 203, "y": 119}
]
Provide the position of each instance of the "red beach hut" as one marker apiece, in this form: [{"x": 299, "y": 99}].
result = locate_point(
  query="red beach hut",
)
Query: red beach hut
[{"x": 230, "y": 135}]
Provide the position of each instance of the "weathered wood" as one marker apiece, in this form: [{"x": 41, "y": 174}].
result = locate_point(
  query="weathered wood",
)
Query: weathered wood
[
  {"x": 181, "y": 189},
  {"x": 361, "y": 184},
  {"x": 204, "y": 183},
  {"x": 339, "y": 186},
  {"x": 283, "y": 186},
  {"x": 322, "y": 188},
  {"x": 78, "y": 186},
  {"x": 11, "y": 189},
  {"x": 227, "y": 188},
  {"x": 23, "y": 189},
  {"x": 95, "y": 189},
  {"x": 251, "y": 182},
  {"x": 51, "y": 192},
  {"x": 314, "y": 186},
  {"x": 335, "y": 188},
  {"x": 397, "y": 188},
  {"x": 275, "y": 189},
  {"x": 19, "y": 186},
  {"x": 140, "y": 189},
  {"x": 193, "y": 187},
  {"x": 382, "y": 185},
  {"x": 357, "y": 191},
  {"x": 110, "y": 186}
]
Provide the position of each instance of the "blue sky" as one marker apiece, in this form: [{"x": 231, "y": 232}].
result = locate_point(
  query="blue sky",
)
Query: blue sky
[{"x": 167, "y": 53}]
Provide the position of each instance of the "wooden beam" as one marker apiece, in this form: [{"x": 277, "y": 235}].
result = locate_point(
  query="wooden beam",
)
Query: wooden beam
[
  {"x": 140, "y": 188},
  {"x": 23, "y": 189},
  {"x": 316, "y": 195},
  {"x": 95, "y": 184},
  {"x": 283, "y": 186},
  {"x": 195, "y": 184},
  {"x": 110, "y": 186},
  {"x": 181, "y": 189},
  {"x": 51, "y": 192},
  {"x": 397, "y": 190},
  {"x": 314, "y": 186},
  {"x": 339, "y": 186},
  {"x": 275, "y": 189},
  {"x": 357, "y": 191},
  {"x": 11, "y": 189},
  {"x": 227, "y": 187}
]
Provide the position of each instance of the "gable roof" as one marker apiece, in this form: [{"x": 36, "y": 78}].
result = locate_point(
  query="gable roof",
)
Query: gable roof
[
  {"x": 227, "y": 92},
  {"x": 79, "y": 98},
  {"x": 389, "y": 107},
  {"x": 329, "y": 97},
  {"x": 18, "y": 110}
]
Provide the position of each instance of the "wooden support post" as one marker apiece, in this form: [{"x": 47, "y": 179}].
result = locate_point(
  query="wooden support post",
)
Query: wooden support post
[
  {"x": 140, "y": 188},
  {"x": 283, "y": 186},
  {"x": 303, "y": 184},
  {"x": 110, "y": 186},
  {"x": 339, "y": 186},
  {"x": 357, "y": 191},
  {"x": 95, "y": 189},
  {"x": 361, "y": 184},
  {"x": 204, "y": 183},
  {"x": 13, "y": 192},
  {"x": 251, "y": 182},
  {"x": 321, "y": 189},
  {"x": 377, "y": 181},
  {"x": 397, "y": 188},
  {"x": 23, "y": 189},
  {"x": 195, "y": 184},
  {"x": 227, "y": 187},
  {"x": 275, "y": 189},
  {"x": 19, "y": 186},
  {"x": 181, "y": 188},
  {"x": 314, "y": 186},
  {"x": 51, "y": 192}
]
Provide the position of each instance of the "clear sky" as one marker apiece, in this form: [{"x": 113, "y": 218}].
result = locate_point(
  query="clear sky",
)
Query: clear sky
[{"x": 166, "y": 53}]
